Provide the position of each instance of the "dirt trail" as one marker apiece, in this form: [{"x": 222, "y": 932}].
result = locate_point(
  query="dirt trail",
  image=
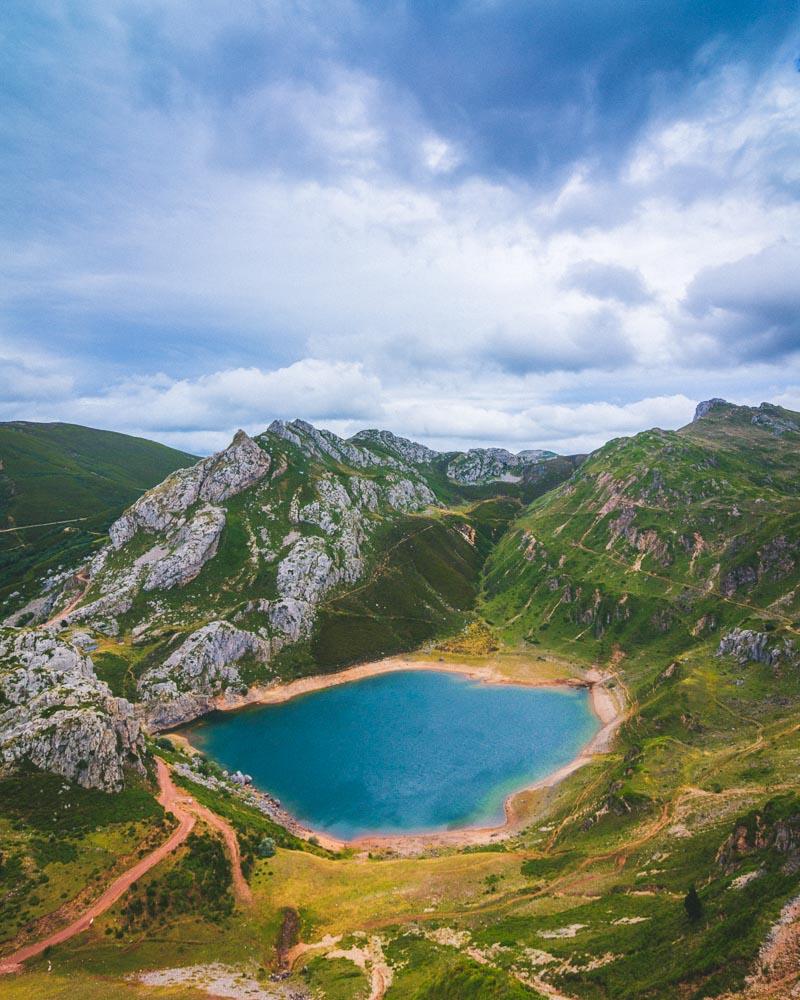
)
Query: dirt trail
[
  {"x": 43, "y": 524},
  {"x": 187, "y": 812},
  {"x": 61, "y": 615},
  {"x": 241, "y": 889},
  {"x": 170, "y": 799}
]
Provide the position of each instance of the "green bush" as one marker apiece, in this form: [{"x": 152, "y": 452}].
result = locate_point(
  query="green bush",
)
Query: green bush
[{"x": 266, "y": 848}]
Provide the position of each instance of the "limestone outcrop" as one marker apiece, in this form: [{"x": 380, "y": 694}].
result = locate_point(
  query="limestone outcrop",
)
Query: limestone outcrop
[
  {"x": 748, "y": 646},
  {"x": 215, "y": 480},
  {"x": 193, "y": 545},
  {"x": 56, "y": 715},
  {"x": 487, "y": 465},
  {"x": 205, "y": 665}
]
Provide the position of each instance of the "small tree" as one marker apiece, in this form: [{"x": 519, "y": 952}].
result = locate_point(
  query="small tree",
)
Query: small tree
[
  {"x": 693, "y": 905},
  {"x": 266, "y": 849}
]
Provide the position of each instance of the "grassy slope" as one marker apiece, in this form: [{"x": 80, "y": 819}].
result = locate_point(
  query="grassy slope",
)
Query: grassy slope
[
  {"x": 57, "y": 472},
  {"x": 591, "y": 895},
  {"x": 716, "y": 499},
  {"x": 708, "y": 738}
]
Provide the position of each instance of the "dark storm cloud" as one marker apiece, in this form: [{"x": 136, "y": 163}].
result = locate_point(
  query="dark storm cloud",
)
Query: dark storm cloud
[{"x": 524, "y": 89}]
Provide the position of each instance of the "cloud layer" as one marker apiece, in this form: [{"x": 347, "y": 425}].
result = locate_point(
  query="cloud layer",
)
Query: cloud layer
[{"x": 471, "y": 222}]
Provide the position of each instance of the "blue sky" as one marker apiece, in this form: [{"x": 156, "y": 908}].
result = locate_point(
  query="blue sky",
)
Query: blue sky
[{"x": 529, "y": 224}]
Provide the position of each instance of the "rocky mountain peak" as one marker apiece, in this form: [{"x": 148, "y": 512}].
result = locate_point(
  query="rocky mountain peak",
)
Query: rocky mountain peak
[
  {"x": 409, "y": 451},
  {"x": 775, "y": 418},
  {"x": 214, "y": 479},
  {"x": 707, "y": 405}
]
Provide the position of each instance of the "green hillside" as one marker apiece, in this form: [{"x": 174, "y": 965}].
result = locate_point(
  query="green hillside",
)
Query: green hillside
[
  {"x": 78, "y": 477},
  {"x": 671, "y": 560},
  {"x": 660, "y": 539},
  {"x": 665, "y": 570}
]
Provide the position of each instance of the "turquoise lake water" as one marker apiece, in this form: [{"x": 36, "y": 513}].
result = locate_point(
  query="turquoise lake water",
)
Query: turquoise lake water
[{"x": 403, "y": 752}]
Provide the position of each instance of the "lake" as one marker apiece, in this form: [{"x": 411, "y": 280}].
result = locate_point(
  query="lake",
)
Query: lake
[{"x": 404, "y": 752}]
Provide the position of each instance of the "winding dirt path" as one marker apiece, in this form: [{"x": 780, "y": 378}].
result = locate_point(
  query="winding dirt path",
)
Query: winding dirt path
[
  {"x": 61, "y": 615},
  {"x": 187, "y": 811},
  {"x": 170, "y": 799},
  {"x": 43, "y": 524},
  {"x": 241, "y": 889}
]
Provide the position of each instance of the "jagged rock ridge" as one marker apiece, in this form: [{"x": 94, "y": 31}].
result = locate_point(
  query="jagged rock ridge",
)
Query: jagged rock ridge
[{"x": 298, "y": 506}]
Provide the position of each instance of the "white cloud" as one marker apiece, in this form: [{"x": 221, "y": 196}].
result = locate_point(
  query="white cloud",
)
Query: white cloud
[{"x": 331, "y": 239}]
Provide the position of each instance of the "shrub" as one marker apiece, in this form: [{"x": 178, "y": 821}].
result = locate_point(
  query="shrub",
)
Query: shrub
[
  {"x": 266, "y": 848},
  {"x": 693, "y": 905}
]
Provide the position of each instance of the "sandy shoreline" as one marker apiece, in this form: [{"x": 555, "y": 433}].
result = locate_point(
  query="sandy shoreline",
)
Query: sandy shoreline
[{"x": 607, "y": 703}]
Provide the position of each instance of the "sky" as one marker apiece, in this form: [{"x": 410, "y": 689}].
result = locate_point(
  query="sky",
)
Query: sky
[{"x": 490, "y": 222}]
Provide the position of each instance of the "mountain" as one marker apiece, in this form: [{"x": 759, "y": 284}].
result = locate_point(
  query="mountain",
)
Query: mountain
[
  {"x": 292, "y": 552},
  {"x": 661, "y": 539},
  {"x": 671, "y": 560},
  {"x": 663, "y": 572},
  {"x": 69, "y": 482}
]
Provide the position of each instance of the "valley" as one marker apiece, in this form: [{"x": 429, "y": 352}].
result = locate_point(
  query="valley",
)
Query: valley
[{"x": 661, "y": 571}]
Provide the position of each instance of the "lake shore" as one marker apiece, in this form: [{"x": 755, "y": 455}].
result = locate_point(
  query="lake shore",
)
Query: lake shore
[{"x": 607, "y": 703}]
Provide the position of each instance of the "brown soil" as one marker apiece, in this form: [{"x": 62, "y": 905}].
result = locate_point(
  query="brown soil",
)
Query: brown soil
[{"x": 187, "y": 812}]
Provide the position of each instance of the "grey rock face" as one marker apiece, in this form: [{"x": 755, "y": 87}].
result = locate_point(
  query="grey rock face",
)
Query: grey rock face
[
  {"x": 408, "y": 451},
  {"x": 160, "y": 715},
  {"x": 35, "y": 611},
  {"x": 321, "y": 444},
  {"x": 748, "y": 646},
  {"x": 233, "y": 470},
  {"x": 307, "y": 572},
  {"x": 118, "y": 591},
  {"x": 410, "y": 495},
  {"x": 214, "y": 479},
  {"x": 194, "y": 544},
  {"x": 364, "y": 492},
  {"x": 290, "y": 617},
  {"x": 771, "y": 417},
  {"x": 57, "y": 715},
  {"x": 707, "y": 405},
  {"x": 203, "y": 666},
  {"x": 156, "y": 511},
  {"x": 487, "y": 465}
]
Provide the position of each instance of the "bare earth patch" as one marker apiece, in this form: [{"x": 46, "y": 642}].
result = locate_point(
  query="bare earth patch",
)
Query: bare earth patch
[{"x": 219, "y": 980}]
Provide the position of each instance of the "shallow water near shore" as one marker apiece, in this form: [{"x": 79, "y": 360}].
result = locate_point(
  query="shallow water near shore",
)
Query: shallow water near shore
[{"x": 406, "y": 752}]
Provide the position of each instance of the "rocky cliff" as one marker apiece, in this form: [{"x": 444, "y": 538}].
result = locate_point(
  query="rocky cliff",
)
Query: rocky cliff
[
  {"x": 56, "y": 715},
  {"x": 224, "y": 565},
  {"x": 490, "y": 465}
]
